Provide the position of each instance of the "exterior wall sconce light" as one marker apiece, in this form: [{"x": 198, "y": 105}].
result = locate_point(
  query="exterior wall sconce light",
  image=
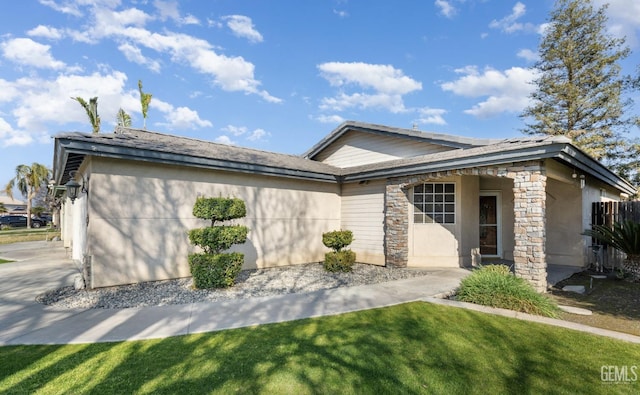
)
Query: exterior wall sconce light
[
  {"x": 74, "y": 188},
  {"x": 582, "y": 181}
]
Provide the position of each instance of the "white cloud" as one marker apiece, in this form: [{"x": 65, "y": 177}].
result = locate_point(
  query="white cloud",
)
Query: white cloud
[
  {"x": 386, "y": 86},
  {"x": 224, "y": 140},
  {"x": 235, "y": 130},
  {"x": 46, "y": 32},
  {"x": 258, "y": 134},
  {"x": 341, "y": 13},
  {"x": 528, "y": 55},
  {"x": 66, "y": 7},
  {"x": 446, "y": 8},
  {"x": 9, "y": 136},
  {"x": 329, "y": 118},
  {"x": 432, "y": 116},
  {"x": 26, "y": 52},
  {"x": 505, "y": 91},
  {"x": 243, "y": 27},
  {"x": 180, "y": 118},
  {"x": 624, "y": 19},
  {"x": 510, "y": 24},
  {"x": 134, "y": 54},
  {"x": 169, "y": 10},
  {"x": 36, "y": 105},
  {"x": 230, "y": 73},
  {"x": 8, "y": 91},
  {"x": 381, "y": 78}
]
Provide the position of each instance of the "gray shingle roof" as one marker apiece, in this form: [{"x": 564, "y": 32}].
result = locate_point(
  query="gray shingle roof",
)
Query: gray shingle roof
[
  {"x": 128, "y": 143},
  {"x": 142, "y": 145}
]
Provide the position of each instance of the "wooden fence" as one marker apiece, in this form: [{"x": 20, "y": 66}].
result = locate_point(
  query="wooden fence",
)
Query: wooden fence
[{"x": 609, "y": 213}]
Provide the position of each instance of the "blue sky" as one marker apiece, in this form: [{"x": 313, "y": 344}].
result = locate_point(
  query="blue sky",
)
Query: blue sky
[{"x": 274, "y": 75}]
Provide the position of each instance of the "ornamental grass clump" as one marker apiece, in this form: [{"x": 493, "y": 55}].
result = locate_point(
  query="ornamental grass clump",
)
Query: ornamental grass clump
[
  {"x": 338, "y": 260},
  {"x": 214, "y": 268},
  {"x": 496, "y": 286},
  {"x": 625, "y": 237}
]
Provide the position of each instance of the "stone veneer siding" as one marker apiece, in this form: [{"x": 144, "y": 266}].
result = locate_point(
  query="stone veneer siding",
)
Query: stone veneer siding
[{"x": 529, "y": 186}]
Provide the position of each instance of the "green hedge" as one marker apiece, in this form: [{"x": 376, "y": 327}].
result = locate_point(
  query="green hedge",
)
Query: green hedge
[
  {"x": 496, "y": 286},
  {"x": 215, "y": 239},
  {"x": 215, "y": 270},
  {"x": 219, "y": 209},
  {"x": 337, "y": 239},
  {"x": 339, "y": 261}
]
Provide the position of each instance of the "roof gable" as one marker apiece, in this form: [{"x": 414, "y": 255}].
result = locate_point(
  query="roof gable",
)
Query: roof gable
[{"x": 422, "y": 143}]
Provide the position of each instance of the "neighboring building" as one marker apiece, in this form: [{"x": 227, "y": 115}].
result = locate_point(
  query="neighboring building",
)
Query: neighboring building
[
  {"x": 13, "y": 206},
  {"x": 411, "y": 199}
]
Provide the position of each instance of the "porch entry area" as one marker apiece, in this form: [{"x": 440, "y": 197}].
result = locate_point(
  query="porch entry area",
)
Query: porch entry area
[{"x": 490, "y": 224}]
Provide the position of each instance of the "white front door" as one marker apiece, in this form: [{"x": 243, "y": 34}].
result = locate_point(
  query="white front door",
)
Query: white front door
[{"x": 490, "y": 224}]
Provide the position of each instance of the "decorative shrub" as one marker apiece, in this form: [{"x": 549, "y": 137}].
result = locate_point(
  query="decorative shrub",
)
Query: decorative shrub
[
  {"x": 625, "y": 237},
  {"x": 496, "y": 286},
  {"x": 219, "y": 209},
  {"x": 338, "y": 260},
  {"x": 337, "y": 239},
  {"x": 215, "y": 239},
  {"x": 214, "y": 268}
]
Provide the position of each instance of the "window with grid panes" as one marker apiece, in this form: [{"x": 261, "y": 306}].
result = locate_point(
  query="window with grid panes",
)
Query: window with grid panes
[{"x": 434, "y": 202}]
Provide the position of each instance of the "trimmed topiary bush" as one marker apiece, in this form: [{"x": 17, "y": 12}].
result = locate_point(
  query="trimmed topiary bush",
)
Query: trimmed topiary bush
[
  {"x": 496, "y": 286},
  {"x": 214, "y": 268},
  {"x": 337, "y": 239},
  {"x": 338, "y": 260}
]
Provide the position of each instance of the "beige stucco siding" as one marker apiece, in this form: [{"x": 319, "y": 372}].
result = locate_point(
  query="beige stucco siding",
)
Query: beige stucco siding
[
  {"x": 140, "y": 233},
  {"x": 362, "y": 213},
  {"x": 357, "y": 148},
  {"x": 564, "y": 224}
]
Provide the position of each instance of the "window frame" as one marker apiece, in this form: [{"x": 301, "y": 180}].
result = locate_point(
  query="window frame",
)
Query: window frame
[{"x": 434, "y": 203}]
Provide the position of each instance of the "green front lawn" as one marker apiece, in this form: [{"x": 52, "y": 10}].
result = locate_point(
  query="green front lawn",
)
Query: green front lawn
[
  {"x": 4, "y": 261},
  {"x": 411, "y": 348},
  {"x": 9, "y": 236}
]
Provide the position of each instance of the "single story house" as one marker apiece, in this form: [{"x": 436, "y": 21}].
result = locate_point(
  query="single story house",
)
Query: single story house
[
  {"x": 12, "y": 205},
  {"x": 412, "y": 199}
]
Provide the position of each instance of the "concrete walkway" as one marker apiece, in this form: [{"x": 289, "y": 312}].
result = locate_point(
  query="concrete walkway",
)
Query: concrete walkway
[{"x": 43, "y": 266}]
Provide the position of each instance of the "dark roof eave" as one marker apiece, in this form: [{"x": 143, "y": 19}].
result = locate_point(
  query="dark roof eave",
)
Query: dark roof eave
[
  {"x": 67, "y": 146},
  {"x": 479, "y": 160},
  {"x": 564, "y": 152},
  {"x": 585, "y": 163}
]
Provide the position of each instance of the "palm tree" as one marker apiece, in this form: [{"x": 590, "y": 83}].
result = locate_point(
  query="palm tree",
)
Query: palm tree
[
  {"x": 29, "y": 180},
  {"x": 92, "y": 111},
  {"x": 123, "y": 119},
  {"x": 145, "y": 99}
]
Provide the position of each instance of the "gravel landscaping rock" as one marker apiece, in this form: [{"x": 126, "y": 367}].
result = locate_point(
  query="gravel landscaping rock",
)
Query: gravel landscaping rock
[{"x": 250, "y": 283}]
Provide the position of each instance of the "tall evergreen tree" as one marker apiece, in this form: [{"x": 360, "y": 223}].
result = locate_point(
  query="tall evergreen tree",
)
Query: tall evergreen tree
[
  {"x": 579, "y": 87},
  {"x": 91, "y": 109},
  {"x": 29, "y": 180}
]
